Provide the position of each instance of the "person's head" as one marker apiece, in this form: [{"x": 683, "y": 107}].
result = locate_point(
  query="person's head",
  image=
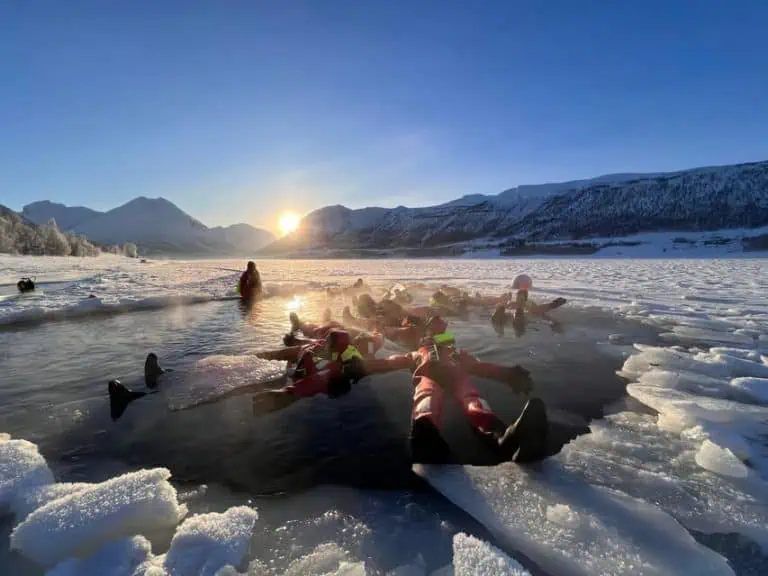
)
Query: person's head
[
  {"x": 358, "y": 283},
  {"x": 368, "y": 344},
  {"x": 435, "y": 325},
  {"x": 337, "y": 341},
  {"x": 441, "y": 297},
  {"x": 251, "y": 267},
  {"x": 522, "y": 282}
]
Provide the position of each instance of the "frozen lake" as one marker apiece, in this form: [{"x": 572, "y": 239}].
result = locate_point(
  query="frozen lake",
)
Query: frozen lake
[{"x": 656, "y": 379}]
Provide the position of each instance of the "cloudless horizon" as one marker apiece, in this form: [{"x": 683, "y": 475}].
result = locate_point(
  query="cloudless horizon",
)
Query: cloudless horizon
[{"x": 241, "y": 111}]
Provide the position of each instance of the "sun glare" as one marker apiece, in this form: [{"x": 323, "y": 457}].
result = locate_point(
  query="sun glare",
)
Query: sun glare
[{"x": 289, "y": 221}]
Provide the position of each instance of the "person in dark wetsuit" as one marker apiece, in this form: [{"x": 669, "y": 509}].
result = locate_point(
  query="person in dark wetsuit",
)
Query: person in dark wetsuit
[{"x": 249, "y": 287}]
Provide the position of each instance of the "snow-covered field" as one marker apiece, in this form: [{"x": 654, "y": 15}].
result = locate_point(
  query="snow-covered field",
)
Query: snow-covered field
[{"x": 684, "y": 458}]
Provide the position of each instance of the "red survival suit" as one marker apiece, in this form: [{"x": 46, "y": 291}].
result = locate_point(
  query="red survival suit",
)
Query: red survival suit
[{"x": 329, "y": 364}]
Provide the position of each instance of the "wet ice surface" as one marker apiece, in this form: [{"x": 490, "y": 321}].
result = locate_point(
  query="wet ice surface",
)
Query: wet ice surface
[{"x": 682, "y": 454}]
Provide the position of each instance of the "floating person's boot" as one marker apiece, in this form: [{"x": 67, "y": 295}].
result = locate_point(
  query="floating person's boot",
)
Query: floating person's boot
[
  {"x": 119, "y": 398},
  {"x": 526, "y": 439},
  {"x": 290, "y": 340},
  {"x": 295, "y": 322},
  {"x": 152, "y": 370}
]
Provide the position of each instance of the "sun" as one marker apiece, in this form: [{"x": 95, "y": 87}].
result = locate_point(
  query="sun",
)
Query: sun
[{"x": 289, "y": 222}]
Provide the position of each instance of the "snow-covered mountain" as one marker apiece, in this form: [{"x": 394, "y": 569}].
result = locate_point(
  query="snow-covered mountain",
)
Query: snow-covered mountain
[
  {"x": 67, "y": 217},
  {"x": 607, "y": 206},
  {"x": 157, "y": 226}
]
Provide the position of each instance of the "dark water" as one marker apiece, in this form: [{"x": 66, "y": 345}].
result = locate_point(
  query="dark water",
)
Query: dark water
[{"x": 347, "y": 455}]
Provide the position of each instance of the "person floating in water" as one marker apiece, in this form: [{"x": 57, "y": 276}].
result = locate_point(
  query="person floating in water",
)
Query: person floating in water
[
  {"x": 328, "y": 340},
  {"x": 249, "y": 287},
  {"x": 437, "y": 367},
  {"x": 524, "y": 305}
]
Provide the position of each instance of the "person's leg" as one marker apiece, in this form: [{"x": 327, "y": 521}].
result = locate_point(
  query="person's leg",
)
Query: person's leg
[
  {"x": 350, "y": 322},
  {"x": 309, "y": 329},
  {"x": 523, "y": 441},
  {"x": 477, "y": 411},
  {"x": 427, "y": 444}
]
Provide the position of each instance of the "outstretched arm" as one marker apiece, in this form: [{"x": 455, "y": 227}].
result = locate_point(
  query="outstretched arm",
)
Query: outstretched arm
[
  {"x": 516, "y": 377},
  {"x": 409, "y": 335},
  {"x": 391, "y": 364},
  {"x": 543, "y": 310}
]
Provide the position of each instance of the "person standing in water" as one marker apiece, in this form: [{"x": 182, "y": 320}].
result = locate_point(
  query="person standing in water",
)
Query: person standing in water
[{"x": 250, "y": 283}]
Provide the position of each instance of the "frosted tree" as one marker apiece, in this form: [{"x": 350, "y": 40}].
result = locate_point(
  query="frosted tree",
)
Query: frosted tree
[
  {"x": 7, "y": 237},
  {"x": 54, "y": 242},
  {"x": 80, "y": 245},
  {"x": 129, "y": 249}
]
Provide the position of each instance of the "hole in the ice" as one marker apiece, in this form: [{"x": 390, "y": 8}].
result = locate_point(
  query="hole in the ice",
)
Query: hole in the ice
[{"x": 361, "y": 439}]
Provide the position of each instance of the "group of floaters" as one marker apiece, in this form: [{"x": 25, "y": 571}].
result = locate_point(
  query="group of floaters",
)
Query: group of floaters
[{"x": 331, "y": 357}]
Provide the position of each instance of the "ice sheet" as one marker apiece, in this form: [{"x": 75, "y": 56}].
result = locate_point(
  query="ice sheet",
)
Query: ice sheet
[
  {"x": 205, "y": 543},
  {"x": 473, "y": 557},
  {"x": 142, "y": 502},
  {"x": 117, "y": 558},
  {"x": 215, "y": 376},
  {"x": 30, "y": 500},
  {"x": 22, "y": 468},
  {"x": 568, "y": 526},
  {"x": 326, "y": 560},
  {"x": 756, "y": 388}
]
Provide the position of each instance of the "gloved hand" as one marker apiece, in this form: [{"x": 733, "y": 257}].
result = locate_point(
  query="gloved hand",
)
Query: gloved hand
[
  {"x": 353, "y": 369},
  {"x": 519, "y": 379}
]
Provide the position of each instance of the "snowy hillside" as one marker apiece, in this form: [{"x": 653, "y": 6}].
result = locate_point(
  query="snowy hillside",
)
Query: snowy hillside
[
  {"x": 67, "y": 217},
  {"x": 608, "y": 206},
  {"x": 156, "y": 225},
  {"x": 243, "y": 236},
  {"x": 704, "y": 199}
]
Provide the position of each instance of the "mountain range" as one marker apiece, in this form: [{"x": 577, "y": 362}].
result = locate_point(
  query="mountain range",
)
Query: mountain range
[
  {"x": 155, "y": 225},
  {"x": 616, "y": 205},
  {"x": 611, "y": 206}
]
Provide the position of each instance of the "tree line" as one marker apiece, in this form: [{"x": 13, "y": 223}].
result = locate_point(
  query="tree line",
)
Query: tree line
[{"x": 19, "y": 236}]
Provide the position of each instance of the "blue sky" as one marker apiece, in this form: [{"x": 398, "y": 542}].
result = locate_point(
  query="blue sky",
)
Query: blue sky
[{"x": 238, "y": 110}]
